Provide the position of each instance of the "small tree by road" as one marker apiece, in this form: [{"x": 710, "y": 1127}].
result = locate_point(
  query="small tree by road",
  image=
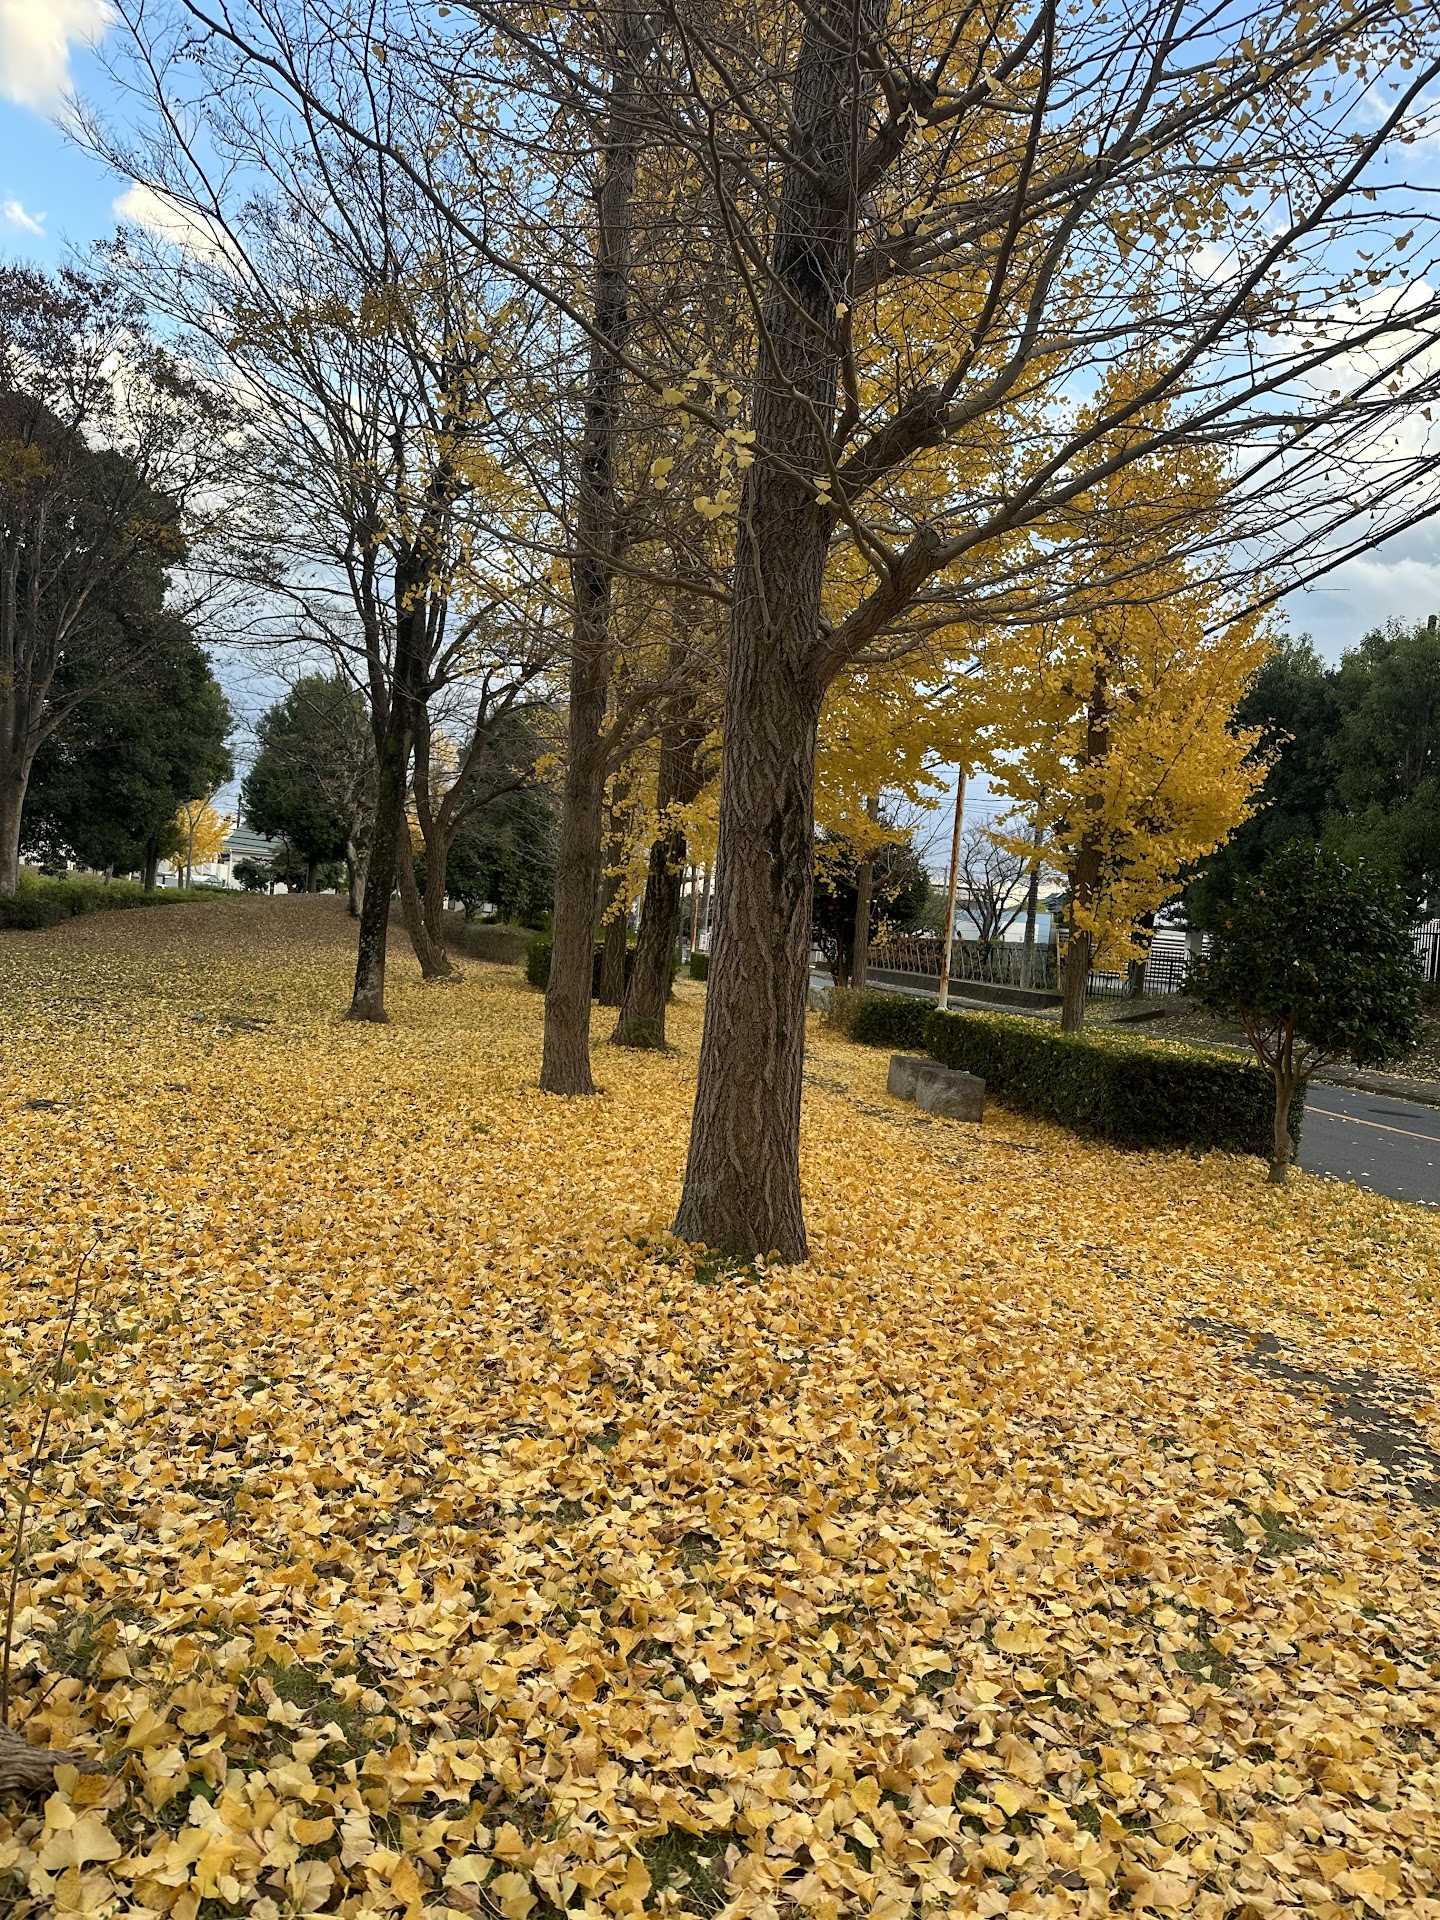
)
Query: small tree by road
[{"x": 1316, "y": 961}]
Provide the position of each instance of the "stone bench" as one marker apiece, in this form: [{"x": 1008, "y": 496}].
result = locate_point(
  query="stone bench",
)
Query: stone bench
[{"x": 947, "y": 1092}]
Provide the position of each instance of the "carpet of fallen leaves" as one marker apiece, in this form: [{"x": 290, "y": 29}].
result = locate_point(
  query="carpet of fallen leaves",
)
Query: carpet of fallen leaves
[{"x": 422, "y": 1528}]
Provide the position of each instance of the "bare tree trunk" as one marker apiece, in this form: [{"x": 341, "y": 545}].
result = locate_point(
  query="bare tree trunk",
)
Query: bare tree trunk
[
  {"x": 437, "y": 860},
  {"x": 1284, "y": 1149},
  {"x": 1032, "y": 914},
  {"x": 642, "y": 1017},
  {"x": 612, "y": 954},
  {"x": 1078, "y": 954},
  {"x": 566, "y": 1064},
  {"x": 742, "y": 1178},
  {"x": 392, "y": 768},
  {"x": 1135, "y": 968},
  {"x": 312, "y": 869},
  {"x": 434, "y": 961},
  {"x": 1085, "y": 881},
  {"x": 642, "y": 1011},
  {"x": 152, "y": 863},
  {"x": 14, "y": 779},
  {"x": 355, "y": 864},
  {"x": 864, "y": 888}
]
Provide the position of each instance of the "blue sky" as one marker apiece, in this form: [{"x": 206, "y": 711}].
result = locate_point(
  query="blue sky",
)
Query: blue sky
[
  {"x": 46, "y": 183},
  {"x": 55, "y": 198}
]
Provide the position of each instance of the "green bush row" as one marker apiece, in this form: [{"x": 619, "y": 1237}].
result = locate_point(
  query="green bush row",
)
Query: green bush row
[
  {"x": 699, "y": 965},
  {"x": 45, "y": 903},
  {"x": 537, "y": 964},
  {"x": 1123, "y": 1087},
  {"x": 492, "y": 940},
  {"x": 880, "y": 1019}
]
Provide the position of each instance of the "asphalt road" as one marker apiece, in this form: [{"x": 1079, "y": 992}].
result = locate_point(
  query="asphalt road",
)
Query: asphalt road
[{"x": 1385, "y": 1145}]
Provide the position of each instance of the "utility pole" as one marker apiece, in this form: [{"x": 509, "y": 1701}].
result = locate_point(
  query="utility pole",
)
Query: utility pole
[
  {"x": 864, "y": 887},
  {"x": 943, "y": 998}
]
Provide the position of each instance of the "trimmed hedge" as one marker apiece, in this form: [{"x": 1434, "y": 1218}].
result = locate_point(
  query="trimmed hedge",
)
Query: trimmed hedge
[
  {"x": 1121, "y": 1087},
  {"x": 45, "y": 903},
  {"x": 537, "y": 965},
  {"x": 879, "y": 1019},
  {"x": 699, "y": 966},
  {"x": 491, "y": 940},
  {"x": 904, "y": 1022}
]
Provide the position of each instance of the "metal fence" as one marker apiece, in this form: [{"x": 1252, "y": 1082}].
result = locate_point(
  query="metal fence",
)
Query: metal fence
[
  {"x": 1427, "y": 950},
  {"x": 1000, "y": 965},
  {"x": 1003, "y": 965}
]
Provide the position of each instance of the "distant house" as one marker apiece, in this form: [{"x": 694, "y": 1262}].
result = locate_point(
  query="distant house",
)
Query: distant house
[{"x": 240, "y": 844}]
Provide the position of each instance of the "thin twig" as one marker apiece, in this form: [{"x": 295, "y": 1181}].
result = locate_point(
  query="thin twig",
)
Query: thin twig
[{"x": 27, "y": 1491}]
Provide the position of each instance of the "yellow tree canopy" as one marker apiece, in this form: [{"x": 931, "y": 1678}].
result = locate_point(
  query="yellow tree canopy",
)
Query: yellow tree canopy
[
  {"x": 202, "y": 833},
  {"x": 1114, "y": 723}
]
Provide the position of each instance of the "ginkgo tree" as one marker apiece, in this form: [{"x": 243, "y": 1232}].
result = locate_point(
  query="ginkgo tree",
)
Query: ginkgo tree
[
  {"x": 1207, "y": 193},
  {"x": 1115, "y": 723},
  {"x": 202, "y": 833}
]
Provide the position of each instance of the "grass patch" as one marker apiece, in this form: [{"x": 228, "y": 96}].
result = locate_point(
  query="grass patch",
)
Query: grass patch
[
  {"x": 689, "y": 1864},
  {"x": 41, "y": 902}
]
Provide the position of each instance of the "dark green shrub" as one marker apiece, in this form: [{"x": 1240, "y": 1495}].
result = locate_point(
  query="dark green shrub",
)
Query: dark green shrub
[
  {"x": 839, "y": 1012},
  {"x": 699, "y": 966},
  {"x": 878, "y": 1019},
  {"x": 1121, "y": 1087},
  {"x": 537, "y": 961},
  {"x": 45, "y": 903},
  {"x": 1316, "y": 961},
  {"x": 899, "y": 1020},
  {"x": 537, "y": 964},
  {"x": 491, "y": 940}
]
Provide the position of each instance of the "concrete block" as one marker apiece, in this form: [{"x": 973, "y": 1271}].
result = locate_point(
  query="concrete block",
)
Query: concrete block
[
  {"x": 904, "y": 1069},
  {"x": 950, "y": 1094}
]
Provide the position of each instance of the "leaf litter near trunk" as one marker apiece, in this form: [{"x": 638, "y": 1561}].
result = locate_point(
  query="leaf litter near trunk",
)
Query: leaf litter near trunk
[{"x": 427, "y": 1529}]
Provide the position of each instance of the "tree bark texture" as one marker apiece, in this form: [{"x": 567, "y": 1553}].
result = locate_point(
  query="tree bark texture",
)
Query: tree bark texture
[
  {"x": 355, "y": 864},
  {"x": 1077, "y": 977},
  {"x": 864, "y": 893},
  {"x": 642, "y": 1009},
  {"x": 1085, "y": 880},
  {"x": 392, "y": 766},
  {"x": 429, "y": 951},
  {"x": 642, "y": 1016},
  {"x": 615, "y": 941},
  {"x": 565, "y": 1067},
  {"x": 25, "y": 1768},
  {"x": 437, "y": 861},
  {"x": 12, "y": 802},
  {"x": 1284, "y": 1148},
  {"x": 742, "y": 1176},
  {"x": 395, "y": 735}
]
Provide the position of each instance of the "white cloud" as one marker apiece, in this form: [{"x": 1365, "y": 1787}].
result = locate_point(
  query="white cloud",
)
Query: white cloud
[
  {"x": 142, "y": 206},
  {"x": 15, "y": 215},
  {"x": 1400, "y": 580},
  {"x": 36, "y": 38}
]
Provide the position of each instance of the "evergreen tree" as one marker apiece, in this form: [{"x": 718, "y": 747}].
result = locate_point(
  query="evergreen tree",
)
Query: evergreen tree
[{"x": 105, "y": 788}]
